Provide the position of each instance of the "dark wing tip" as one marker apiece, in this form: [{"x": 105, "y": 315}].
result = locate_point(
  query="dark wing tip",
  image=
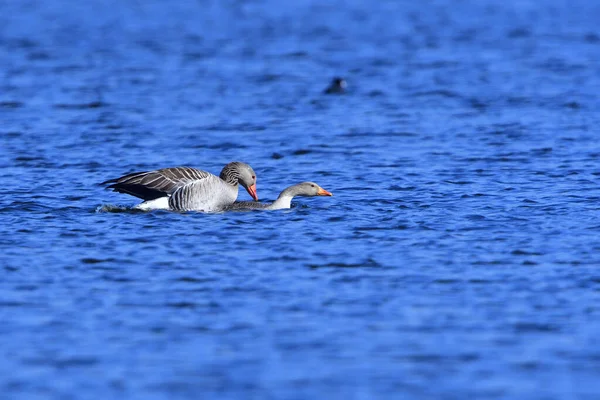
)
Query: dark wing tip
[{"x": 110, "y": 182}]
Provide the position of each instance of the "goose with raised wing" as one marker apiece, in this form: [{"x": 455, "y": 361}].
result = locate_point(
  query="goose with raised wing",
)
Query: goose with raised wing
[
  {"x": 186, "y": 188},
  {"x": 307, "y": 189}
]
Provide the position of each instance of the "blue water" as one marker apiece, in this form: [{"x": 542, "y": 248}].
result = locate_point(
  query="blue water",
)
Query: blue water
[{"x": 459, "y": 257}]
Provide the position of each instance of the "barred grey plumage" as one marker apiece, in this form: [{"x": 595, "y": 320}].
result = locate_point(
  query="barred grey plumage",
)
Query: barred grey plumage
[{"x": 194, "y": 195}]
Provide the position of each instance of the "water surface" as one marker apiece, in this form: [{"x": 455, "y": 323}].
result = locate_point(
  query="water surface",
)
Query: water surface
[{"x": 458, "y": 258}]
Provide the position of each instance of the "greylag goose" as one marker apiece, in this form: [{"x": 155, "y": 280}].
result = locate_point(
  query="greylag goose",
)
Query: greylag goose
[
  {"x": 308, "y": 189},
  {"x": 186, "y": 188}
]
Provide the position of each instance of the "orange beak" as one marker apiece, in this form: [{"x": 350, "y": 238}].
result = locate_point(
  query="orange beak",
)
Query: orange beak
[
  {"x": 323, "y": 192},
  {"x": 252, "y": 192}
]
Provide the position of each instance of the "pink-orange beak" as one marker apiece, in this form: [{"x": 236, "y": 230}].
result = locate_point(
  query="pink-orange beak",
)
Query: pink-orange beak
[
  {"x": 252, "y": 192},
  {"x": 323, "y": 192}
]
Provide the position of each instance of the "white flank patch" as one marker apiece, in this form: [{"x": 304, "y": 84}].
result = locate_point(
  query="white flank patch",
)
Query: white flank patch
[{"x": 162, "y": 203}]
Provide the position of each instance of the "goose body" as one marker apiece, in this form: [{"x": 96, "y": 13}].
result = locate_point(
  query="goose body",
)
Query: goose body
[
  {"x": 308, "y": 189},
  {"x": 186, "y": 188}
]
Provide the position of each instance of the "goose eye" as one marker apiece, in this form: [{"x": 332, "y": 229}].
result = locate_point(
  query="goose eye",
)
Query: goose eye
[
  {"x": 312, "y": 185},
  {"x": 253, "y": 177}
]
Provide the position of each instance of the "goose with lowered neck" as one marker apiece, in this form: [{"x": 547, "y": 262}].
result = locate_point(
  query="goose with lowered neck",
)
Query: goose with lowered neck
[{"x": 307, "y": 189}]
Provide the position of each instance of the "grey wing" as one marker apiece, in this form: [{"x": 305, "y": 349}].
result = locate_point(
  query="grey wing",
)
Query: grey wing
[{"x": 151, "y": 185}]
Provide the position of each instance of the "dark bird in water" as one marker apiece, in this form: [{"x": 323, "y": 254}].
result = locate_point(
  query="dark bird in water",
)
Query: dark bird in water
[{"x": 337, "y": 86}]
